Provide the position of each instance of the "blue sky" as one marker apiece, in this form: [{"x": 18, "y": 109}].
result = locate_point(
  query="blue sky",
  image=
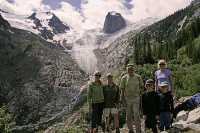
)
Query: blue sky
[{"x": 55, "y": 4}]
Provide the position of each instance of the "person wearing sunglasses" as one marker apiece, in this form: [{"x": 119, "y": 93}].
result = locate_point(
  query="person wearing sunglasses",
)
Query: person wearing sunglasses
[
  {"x": 151, "y": 106},
  {"x": 163, "y": 74}
]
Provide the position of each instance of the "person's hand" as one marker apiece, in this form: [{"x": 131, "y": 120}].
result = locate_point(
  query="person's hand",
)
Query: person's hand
[
  {"x": 172, "y": 93},
  {"x": 123, "y": 102},
  {"x": 157, "y": 117},
  {"x": 90, "y": 107},
  {"x": 117, "y": 105},
  {"x": 171, "y": 116},
  {"x": 144, "y": 117}
]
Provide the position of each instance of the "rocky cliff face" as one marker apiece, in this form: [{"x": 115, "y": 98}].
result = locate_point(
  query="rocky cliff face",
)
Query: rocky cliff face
[
  {"x": 113, "y": 22},
  {"x": 115, "y": 55},
  {"x": 37, "y": 79},
  {"x": 57, "y": 25},
  {"x": 123, "y": 48}
]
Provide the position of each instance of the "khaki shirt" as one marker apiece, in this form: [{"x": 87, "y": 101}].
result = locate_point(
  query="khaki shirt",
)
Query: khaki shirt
[{"x": 132, "y": 86}]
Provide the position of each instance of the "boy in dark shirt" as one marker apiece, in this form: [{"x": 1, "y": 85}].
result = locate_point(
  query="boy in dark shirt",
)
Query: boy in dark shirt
[
  {"x": 150, "y": 106},
  {"x": 111, "y": 101},
  {"x": 166, "y": 106}
]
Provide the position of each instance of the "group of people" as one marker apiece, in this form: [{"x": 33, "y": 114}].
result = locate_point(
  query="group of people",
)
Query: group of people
[{"x": 153, "y": 100}]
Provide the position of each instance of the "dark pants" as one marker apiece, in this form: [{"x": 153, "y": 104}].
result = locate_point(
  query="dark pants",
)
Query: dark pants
[
  {"x": 165, "y": 121},
  {"x": 151, "y": 122},
  {"x": 97, "y": 111}
]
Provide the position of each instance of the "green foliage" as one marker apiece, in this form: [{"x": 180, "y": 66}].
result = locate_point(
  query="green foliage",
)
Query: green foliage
[
  {"x": 186, "y": 78},
  {"x": 177, "y": 43},
  {"x": 146, "y": 71},
  {"x": 165, "y": 38},
  {"x": 182, "y": 57},
  {"x": 6, "y": 120}
]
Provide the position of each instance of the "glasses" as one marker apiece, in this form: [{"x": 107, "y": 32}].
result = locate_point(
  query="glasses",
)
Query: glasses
[
  {"x": 162, "y": 64},
  {"x": 98, "y": 75},
  {"x": 149, "y": 84}
]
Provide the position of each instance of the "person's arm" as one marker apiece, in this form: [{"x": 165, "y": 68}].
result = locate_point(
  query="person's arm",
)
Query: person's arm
[
  {"x": 171, "y": 103},
  {"x": 156, "y": 82},
  {"x": 171, "y": 83},
  {"x": 158, "y": 104},
  {"x": 117, "y": 95},
  {"x": 122, "y": 88},
  {"x": 117, "y": 98},
  {"x": 143, "y": 105},
  {"x": 141, "y": 86},
  {"x": 89, "y": 97}
]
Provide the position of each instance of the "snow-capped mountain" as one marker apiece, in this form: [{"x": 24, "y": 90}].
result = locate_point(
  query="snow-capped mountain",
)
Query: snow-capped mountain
[
  {"x": 45, "y": 24},
  {"x": 80, "y": 44},
  {"x": 48, "y": 22}
]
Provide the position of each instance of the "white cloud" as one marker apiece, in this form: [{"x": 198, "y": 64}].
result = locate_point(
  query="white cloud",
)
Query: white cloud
[
  {"x": 24, "y": 7},
  {"x": 156, "y": 8},
  {"x": 96, "y": 10},
  {"x": 4, "y": 5},
  {"x": 70, "y": 15},
  {"x": 93, "y": 12}
]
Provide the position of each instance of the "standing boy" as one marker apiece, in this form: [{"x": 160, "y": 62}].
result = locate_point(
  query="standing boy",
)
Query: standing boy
[
  {"x": 166, "y": 106},
  {"x": 111, "y": 100},
  {"x": 150, "y": 106}
]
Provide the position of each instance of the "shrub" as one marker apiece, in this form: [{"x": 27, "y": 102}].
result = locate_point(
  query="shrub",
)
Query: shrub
[{"x": 6, "y": 120}]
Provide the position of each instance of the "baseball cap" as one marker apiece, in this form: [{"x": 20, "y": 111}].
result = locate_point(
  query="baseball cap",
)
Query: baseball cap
[
  {"x": 130, "y": 65},
  {"x": 164, "y": 83},
  {"x": 97, "y": 73},
  {"x": 149, "y": 81},
  {"x": 109, "y": 75}
]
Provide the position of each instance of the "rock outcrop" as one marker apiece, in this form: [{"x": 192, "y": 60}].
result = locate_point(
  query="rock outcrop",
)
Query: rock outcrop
[
  {"x": 3, "y": 23},
  {"x": 188, "y": 121},
  {"x": 113, "y": 22},
  {"x": 57, "y": 25}
]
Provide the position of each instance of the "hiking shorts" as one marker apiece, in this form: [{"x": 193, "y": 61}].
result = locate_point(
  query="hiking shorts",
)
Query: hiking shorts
[{"x": 108, "y": 111}]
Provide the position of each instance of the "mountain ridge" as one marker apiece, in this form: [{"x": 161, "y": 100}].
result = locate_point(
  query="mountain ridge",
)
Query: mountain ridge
[{"x": 37, "y": 79}]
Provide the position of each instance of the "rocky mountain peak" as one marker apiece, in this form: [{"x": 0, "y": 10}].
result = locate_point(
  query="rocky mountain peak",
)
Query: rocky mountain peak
[
  {"x": 33, "y": 16},
  {"x": 113, "y": 22},
  {"x": 48, "y": 24},
  {"x": 57, "y": 25}
]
